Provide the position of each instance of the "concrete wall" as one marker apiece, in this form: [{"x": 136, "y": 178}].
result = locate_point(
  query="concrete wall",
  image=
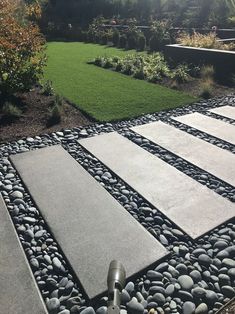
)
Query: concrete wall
[{"x": 223, "y": 61}]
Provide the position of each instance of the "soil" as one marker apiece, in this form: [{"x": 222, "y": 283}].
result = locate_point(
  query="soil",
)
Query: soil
[{"x": 36, "y": 116}]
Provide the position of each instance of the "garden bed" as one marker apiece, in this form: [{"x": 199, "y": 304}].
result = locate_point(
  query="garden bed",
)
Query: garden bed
[
  {"x": 34, "y": 119},
  {"x": 222, "y": 60}
]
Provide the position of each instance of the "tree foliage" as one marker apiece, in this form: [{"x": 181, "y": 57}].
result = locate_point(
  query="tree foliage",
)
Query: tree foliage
[
  {"x": 188, "y": 13},
  {"x": 21, "y": 46}
]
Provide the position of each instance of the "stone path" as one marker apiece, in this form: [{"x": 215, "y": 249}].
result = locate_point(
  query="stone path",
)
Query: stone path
[
  {"x": 192, "y": 206},
  {"x": 91, "y": 227},
  {"x": 198, "y": 275},
  {"x": 217, "y": 128},
  {"x": 225, "y": 111},
  {"x": 208, "y": 157},
  {"x": 18, "y": 290}
]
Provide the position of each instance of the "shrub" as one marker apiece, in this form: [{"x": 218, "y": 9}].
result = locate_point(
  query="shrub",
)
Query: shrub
[
  {"x": 11, "y": 111},
  {"x": 181, "y": 73},
  {"x": 133, "y": 34},
  {"x": 206, "y": 89},
  {"x": 58, "y": 101},
  {"x": 151, "y": 67},
  {"x": 207, "y": 72},
  {"x": 116, "y": 37},
  {"x": 132, "y": 41},
  {"x": 119, "y": 67},
  {"x": 47, "y": 88},
  {"x": 22, "y": 48},
  {"x": 108, "y": 63},
  {"x": 159, "y": 36},
  {"x": 154, "y": 43},
  {"x": 123, "y": 41},
  {"x": 139, "y": 74},
  {"x": 209, "y": 41},
  {"x": 103, "y": 39},
  {"x": 55, "y": 115},
  {"x": 141, "y": 42},
  {"x": 98, "y": 61}
]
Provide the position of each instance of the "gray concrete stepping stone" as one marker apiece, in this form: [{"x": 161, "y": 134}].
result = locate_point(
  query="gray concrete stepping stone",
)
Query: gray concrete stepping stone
[
  {"x": 225, "y": 111},
  {"x": 90, "y": 226},
  {"x": 215, "y": 127},
  {"x": 18, "y": 289},
  {"x": 210, "y": 158},
  {"x": 192, "y": 206}
]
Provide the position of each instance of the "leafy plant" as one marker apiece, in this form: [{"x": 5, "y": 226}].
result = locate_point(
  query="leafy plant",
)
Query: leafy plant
[
  {"x": 133, "y": 34},
  {"x": 22, "y": 48},
  {"x": 151, "y": 67},
  {"x": 47, "y": 88},
  {"x": 206, "y": 89},
  {"x": 141, "y": 45},
  {"x": 116, "y": 37},
  {"x": 11, "y": 111},
  {"x": 55, "y": 115},
  {"x": 56, "y": 112},
  {"x": 123, "y": 41},
  {"x": 159, "y": 35},
  {"x": 207, "y": 72},
  {"x": 181, "y": 73},
  {"x": 209, "y": 41}
]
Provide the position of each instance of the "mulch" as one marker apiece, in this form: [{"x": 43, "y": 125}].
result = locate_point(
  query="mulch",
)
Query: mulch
[{"x": 35, "y": 116}]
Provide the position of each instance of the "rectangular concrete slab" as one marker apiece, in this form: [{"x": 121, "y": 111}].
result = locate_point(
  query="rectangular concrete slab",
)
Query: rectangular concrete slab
[
  {"x": 91, "y": 227},
  {"x": 18, "y": 289},
  {"x": 192, "y": 206},
  {"x": 225, "y": 111},
  {"x": 217, "y": 128},
  {"x": 210, "y": 158}
]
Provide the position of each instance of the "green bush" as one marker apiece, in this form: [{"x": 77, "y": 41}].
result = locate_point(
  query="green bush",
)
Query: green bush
[
  {"x": 116, "y": 37},
  {"x": 123, "y": 41},
  {"x": 154, "y": 43},
  {"x": 208, "y": 41},
  {"x": 150, "y": 67},
  {"x": 98, "y": 61},
  {"x": 56, "y": 112},
  {"x": 159, "y": 36},
  {"x": 207, "y": 72},
  {"x": 139, "y": 74},
  {"x": 47, "y": 88},
  {"x": 133, "y": 34},
  {"x": 141, "y": 42},
  {"x": 108, "y": 63},
  {"x": 22, "y": 47},
  {"x": 181, "y": 73},
  {"x": 55, "y": 116},
  {"x": 206, "y": 89},
  {"x": 11, "y": 111},
  {"x": 132, "y": 41}
]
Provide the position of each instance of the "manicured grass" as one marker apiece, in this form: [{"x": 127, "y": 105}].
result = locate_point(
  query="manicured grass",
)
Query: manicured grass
[{"x": 103, "y": 94}]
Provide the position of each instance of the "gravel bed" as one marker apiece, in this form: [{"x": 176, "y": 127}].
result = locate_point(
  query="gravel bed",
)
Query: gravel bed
[{"x": 199, "y": 275}]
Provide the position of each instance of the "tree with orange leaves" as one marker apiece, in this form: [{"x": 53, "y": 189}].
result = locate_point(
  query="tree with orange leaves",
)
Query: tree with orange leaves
[{"x": 21, "y": 47}]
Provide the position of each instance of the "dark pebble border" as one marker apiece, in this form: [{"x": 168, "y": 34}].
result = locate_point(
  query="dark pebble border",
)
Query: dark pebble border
[{"x": 198, "y": 277}]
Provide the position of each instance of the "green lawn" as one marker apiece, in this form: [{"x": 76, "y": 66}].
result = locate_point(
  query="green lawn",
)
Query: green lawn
[{"x": 103, "y": 94}]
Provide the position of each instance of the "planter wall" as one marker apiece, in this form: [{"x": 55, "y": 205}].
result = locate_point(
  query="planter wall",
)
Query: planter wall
[{"x": 223, "y": 61}]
